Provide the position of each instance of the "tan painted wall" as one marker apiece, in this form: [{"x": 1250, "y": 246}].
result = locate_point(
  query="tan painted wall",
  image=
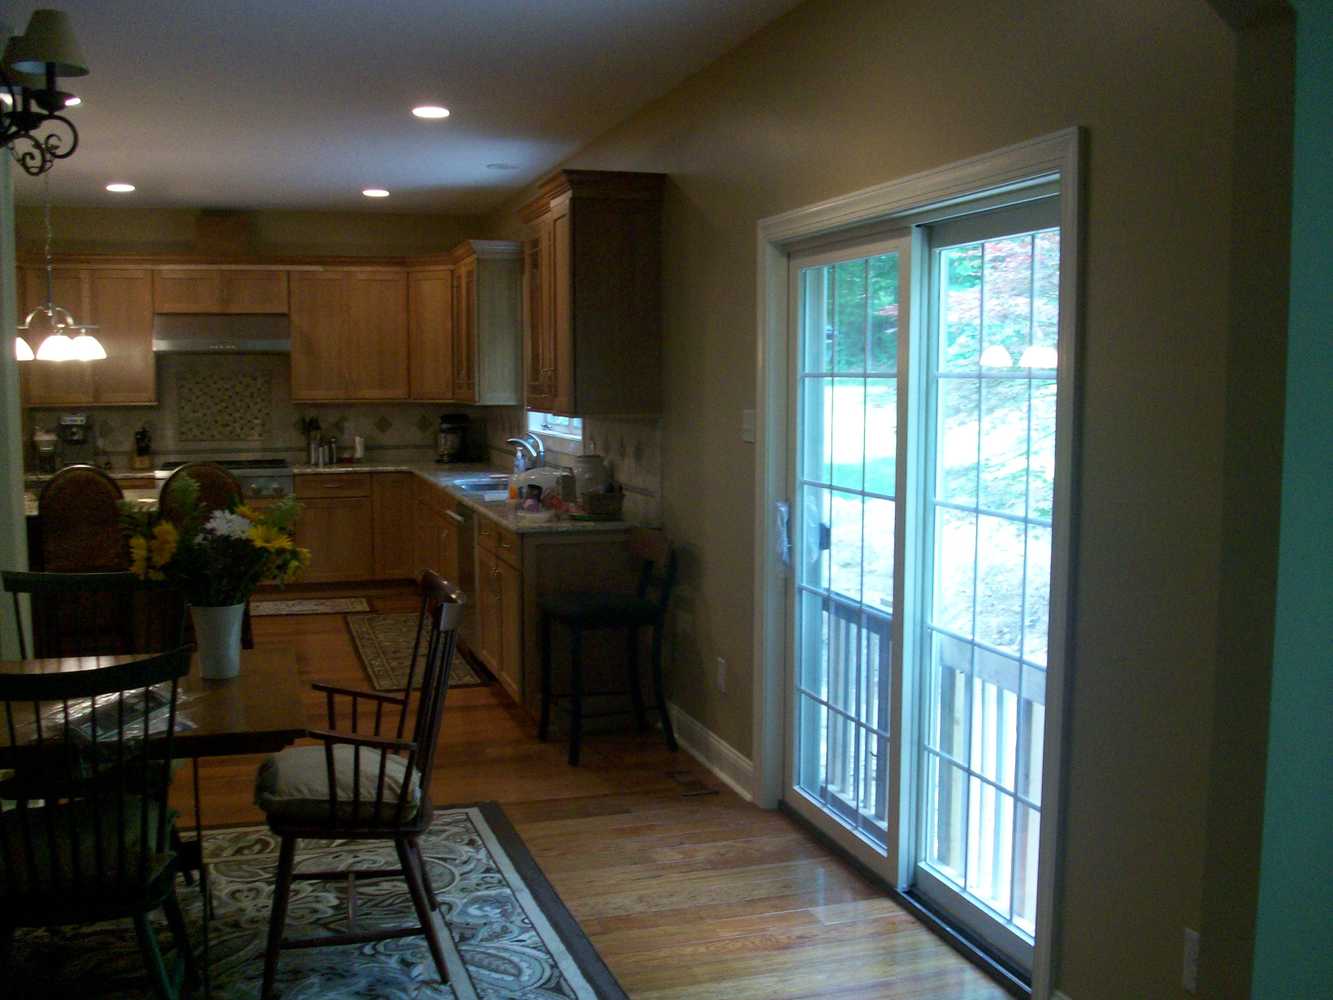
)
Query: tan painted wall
[
  {"x": 842, "y": 94},
  {"x": 148, "y": 230}
]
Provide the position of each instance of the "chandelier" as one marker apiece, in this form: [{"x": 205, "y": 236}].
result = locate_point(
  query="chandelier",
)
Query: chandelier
[
  {"x": 31, "y": 125},
  {"x": 62, "y": 339}
]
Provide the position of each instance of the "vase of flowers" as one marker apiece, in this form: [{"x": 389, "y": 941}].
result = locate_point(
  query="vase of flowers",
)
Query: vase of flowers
[{"x": 217, "y": 558}]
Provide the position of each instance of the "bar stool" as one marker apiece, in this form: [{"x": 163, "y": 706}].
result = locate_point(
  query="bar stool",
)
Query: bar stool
[{"x": 584, "y": 612}]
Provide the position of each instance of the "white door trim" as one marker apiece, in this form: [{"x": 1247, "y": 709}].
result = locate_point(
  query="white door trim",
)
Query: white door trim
[{"x": 1056, "y": 156}]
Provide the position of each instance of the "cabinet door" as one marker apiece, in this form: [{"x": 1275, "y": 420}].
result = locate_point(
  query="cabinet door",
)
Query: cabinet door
[
  {"x": 561, "y": 360},
  {"x": 339, "y": 536},
  {"x": 121, "y": 304},
  {"x": 430, "y": 311},
  {"x": 489, "y": 597},
  {"x": 535, "y": 325},
  {"x": 254, "y": 291},
  {"x": 510, "y": 583},
  {"x": 391, "y": 496},
  {"x": 377, "y": 335},
  {"x": 50, "y": 383},
  {"x": 187, "y": 290},
  {"x": 465, "y": 332},
  {"x": 319, "y": 325}
]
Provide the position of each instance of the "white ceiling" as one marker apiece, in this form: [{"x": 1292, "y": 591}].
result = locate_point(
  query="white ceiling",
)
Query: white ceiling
[{"x": 300, "y": 104}]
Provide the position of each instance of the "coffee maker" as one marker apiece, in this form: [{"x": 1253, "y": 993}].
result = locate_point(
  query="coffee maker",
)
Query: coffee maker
[
  {"x": 78, "y": 441},
  {"x": 451, "y": 439}
]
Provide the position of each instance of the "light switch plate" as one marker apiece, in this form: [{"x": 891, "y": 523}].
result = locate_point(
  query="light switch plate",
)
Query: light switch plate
[{"x": 747, "y": 426}]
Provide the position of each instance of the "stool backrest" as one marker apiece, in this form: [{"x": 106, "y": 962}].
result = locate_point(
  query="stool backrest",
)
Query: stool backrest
[
  {"x": 217, "y": 489},
  {"x": 80, "y": 522},
  {"x": 97, "y": 614},
  {"x": 657, "y": 575}
]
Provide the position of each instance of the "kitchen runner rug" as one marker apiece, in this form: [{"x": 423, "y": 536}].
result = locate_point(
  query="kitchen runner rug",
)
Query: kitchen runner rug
[
  {"x": 384, "y": 643},
  {"x": 314, "y": 606},
  {"x": 516, "y": 937}
]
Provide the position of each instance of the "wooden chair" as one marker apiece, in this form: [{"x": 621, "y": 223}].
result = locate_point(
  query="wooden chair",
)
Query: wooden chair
[
  {"x": 366, "y": 788},
  {"x": 79, "y": 514},
  {"x": 97, "y": 614},
  {"x": 89, "y": 838},
  {"x": 218, "y": 489},
  {"x": 583, "y": 612}
]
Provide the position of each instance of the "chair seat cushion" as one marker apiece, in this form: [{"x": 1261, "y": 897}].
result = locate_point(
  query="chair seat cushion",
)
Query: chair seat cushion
[
  {"x": 80, "y": 871},
  {"x": 592, "y": 610},
  {"x": 292, "y": 787}
]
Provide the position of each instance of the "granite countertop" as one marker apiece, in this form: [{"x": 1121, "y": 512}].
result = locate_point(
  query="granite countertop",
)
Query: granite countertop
[{"x": 446, "y": 476}]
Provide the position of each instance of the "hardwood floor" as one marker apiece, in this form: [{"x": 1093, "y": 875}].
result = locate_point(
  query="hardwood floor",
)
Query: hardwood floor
[{"x": 685, "y": 895}]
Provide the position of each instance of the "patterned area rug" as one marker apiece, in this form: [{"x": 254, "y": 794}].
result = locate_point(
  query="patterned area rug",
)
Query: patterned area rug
[
  {"x": 515, "y": 935},
  {"x": 314, "y": 606},
  {"x": 384, "y": 643}
]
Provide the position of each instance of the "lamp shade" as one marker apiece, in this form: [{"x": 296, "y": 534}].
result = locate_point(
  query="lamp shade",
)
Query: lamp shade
[
  {"x": 56, "y": 347},
  {"x": 49, "y": 40},
  {"x": 22, "y": 349},
  {"x": 13, "y": 48},
  {"x": 86, "y": 347}
]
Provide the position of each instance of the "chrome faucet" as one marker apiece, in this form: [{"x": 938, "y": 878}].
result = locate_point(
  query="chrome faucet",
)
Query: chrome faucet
[{"x": 533, "y": 447}]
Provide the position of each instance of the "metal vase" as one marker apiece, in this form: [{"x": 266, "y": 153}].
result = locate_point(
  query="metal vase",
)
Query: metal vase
[{"x": 217, "y": 634}]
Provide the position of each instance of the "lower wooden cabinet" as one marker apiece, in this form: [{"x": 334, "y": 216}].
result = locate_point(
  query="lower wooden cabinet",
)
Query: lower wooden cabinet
[
  {"x": 392, "y": 504},
  {"x": 499, "y": 633},
  {"x": 337, "y": 531}
]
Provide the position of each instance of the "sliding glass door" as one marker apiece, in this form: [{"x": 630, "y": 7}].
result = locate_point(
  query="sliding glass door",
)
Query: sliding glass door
[
  {"x": 852, "y": 306},
  {"x": 926, "y": 504},
  {"x": 985, "y": 573}
]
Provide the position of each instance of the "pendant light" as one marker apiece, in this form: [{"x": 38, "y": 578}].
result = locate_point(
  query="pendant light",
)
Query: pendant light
[{"x": 53, "y": 323}]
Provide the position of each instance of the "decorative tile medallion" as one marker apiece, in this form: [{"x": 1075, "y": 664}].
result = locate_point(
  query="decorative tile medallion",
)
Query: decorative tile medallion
[{"x": 223, "y": 405}]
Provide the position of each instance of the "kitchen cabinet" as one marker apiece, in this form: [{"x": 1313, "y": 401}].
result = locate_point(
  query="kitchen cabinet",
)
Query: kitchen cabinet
[
  {"x": 349, "y": 335},
  {"x": 430, "y": 313},
  {"x": 438, "y": 533},
  {"x": 499, "y": 589},
  {"x": 119, "y": 302},
  {"x": 594, "y": 319},
  {"x": 336, "y": 525},
  {"x": 336, "y": 531},
  {"x": 392, "y": 505},
  {"x": 487, "y": 322},
  {"x": 219, "y": 290}
]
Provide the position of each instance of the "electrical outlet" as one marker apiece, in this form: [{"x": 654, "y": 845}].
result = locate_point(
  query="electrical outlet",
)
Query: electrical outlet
[
  {"x": 722, "y": 674},
  {"x": 1189, "y": 977}
]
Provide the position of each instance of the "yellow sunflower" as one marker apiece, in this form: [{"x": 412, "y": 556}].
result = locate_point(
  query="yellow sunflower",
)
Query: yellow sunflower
[
  {"x": 266, "y": 537},
  {"x": 248, "y": 512},
  {"x": 139, "y": 556},
  {"x": 163, "y": 546}
]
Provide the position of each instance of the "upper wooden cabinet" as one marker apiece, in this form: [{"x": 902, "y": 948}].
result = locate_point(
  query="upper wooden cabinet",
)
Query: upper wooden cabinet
[
  {"x": 487, "y": 327},
  {"x": 430, "y": 323},
  {"x": 594, "y": 318},
  {"x": 119, "y": 301},
  {"x": 219, "y": 290},
  {"x": 349, "y": 335}
]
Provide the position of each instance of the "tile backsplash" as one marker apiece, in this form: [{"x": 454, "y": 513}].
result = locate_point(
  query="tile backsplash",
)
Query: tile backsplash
[{"x": 241, "y": 406}]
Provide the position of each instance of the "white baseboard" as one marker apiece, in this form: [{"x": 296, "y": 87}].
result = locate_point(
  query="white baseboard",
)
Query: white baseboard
[{"x": 731, "y": 766}]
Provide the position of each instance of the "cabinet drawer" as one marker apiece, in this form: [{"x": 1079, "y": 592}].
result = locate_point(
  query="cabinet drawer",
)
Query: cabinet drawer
[
  {"x": 334, "y": 484},
  {"x": 499, "y": 540}
]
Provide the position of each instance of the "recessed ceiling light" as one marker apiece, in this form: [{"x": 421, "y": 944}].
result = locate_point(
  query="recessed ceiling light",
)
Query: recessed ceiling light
[
  {"x": 375, "y": 193},
  {"x": 73, "y": 101},
  {"x": 430, "y": 111},
  {"x": 502, "y": 166},
  {"x": 120, "y": 187}
]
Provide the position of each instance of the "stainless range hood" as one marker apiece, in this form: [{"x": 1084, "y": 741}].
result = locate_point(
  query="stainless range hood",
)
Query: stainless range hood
[{"x": 197, "y": 333}]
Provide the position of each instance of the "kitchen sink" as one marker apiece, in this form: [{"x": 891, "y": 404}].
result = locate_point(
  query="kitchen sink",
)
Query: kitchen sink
[{"x": 483, "y": 484}]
